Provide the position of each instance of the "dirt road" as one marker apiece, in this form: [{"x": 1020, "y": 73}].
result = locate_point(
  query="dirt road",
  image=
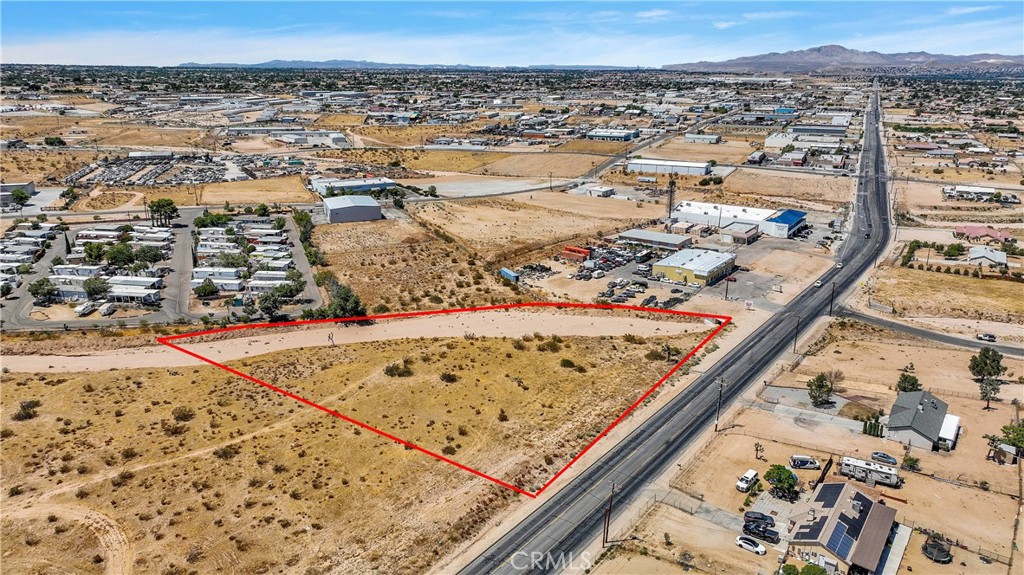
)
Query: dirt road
[
  {"x": 112, "y": 536},
  {"x": 483, "y": 324}
]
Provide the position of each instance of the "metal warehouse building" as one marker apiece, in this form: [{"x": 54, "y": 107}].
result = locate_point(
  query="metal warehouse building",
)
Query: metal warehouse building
[
  {"x": 655, "y": 239},
  {"x": 323, "y": 186},
  {"x": 702, "y": 139},
  {"x": 342, "y": 209},
  {"x": 774, "y": 223},
  {"x": 702, "y": 267},
  {"x": 669, "y": 167},
  {"x": 613, "y": 134}
]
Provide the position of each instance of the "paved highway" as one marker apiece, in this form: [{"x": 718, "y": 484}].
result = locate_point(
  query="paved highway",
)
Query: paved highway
[
  {"x": 571, "y": 519},
  {"x": 931, "y": 335}
]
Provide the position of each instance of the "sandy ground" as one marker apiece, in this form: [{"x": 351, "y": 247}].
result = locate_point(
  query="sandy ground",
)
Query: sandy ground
[
  {"x": 712, "y": 547},
  {"x": 489, "y": 324},
  {"x": 463, "y": 186},
  {"x": 589, "y": 206},
  {"x": 593, "y": 147},
  {"x": 24, "y": 165},
  {"x": 818, "y": 188},
  {"x": 427, "y": 160},
  {"x": 415, "y": 135},
  {"x": 257, "y": 145},
  {"x": 730, "y": 151},
  {"x": 922, "y": 167},
  {"x": 535, "y": 165},
  {"x": 496, "y": 227},
  {"x": 99, "y": 200},
  {"x": 287, "y": 189},
  {"x": 920, "y": 293}
]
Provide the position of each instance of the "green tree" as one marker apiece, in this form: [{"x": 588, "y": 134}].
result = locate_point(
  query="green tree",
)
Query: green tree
[
  {"x": 120, "y": 256},
  {"x": 986, "y": 367},
  {"x": 788, "y": 148},
  {"x": 5, "y": 290},
  {"x": 206, "y": 289},
  {"x": 788, "y": 569},
  {"x": 782, "y": 481},
  {"x": 54, "y": 141},
  {"x": 148, "y": 254},
  {"x": 94, "y": 252},
  {"x": 811, "y": 569},
  {"x": 42, "y": 288},
  {"x": 96, "y": 287},
  {"x": 819, "y": 390},
  {"x": 1012, "y": 434},
  {"x": 954, "y": 250},
  {"x": 162, "y": 211},
  {"x": 263, "y": 210},
  {"x": 280, "y": 223},
  {"x": 20, "y": 197},
  {"x": 269, "y": 304},
  {"x": 908, "y": 382}
]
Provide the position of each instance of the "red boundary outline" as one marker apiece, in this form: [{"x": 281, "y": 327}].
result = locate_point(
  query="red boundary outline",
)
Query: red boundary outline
[{"x": 725, "y": 320}]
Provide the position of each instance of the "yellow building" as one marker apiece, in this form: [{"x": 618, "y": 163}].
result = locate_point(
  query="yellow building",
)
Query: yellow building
[{"x": 702, "y": 267}]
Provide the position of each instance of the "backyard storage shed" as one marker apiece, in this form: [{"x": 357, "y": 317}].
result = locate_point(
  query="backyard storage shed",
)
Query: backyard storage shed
[{"x": 341, "y": 209}]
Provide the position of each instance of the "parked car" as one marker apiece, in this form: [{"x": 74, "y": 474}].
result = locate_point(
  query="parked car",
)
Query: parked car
[
  {"x": 693, "y": 285},
  {"x": 746, "y": 481},
  {"x": 883, "y": 457},
  {"x": 750, "y": 545},
  {"x": 804, "y": 462},
  {"x": 817, "y": 283},
  {"x": 990, "y": 337},
  {"x": 762, "y": 532},
  {"x": 758, "y": 517}
]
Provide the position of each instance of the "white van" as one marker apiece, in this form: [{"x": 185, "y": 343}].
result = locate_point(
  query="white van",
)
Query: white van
[
  {"x": 598, "y": 274},
  {"x": 746, "y": 481},
  {"x": 804, "y": 462}
]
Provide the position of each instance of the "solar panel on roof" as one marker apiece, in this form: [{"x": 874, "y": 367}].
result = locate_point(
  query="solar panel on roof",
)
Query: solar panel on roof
[
  {"x": 856, "y": 523},
  {"x": 811, "y": 531},
  {"x": 829, "y": 494},
  {"x": 845, "y": 546},
  {"x": 836, "y": 538}
]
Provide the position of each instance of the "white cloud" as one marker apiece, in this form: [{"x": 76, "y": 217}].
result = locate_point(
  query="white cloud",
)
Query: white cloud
[
  {"x": 964, "y": 10},
  {"x": 655, "y": 14},
  {"x": 779, "y": 15},
  {"x": 724, "y": 25}
]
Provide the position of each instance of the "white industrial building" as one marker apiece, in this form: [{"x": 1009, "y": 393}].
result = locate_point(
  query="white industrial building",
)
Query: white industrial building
[
  {"x": 774, "y": 223},
  {"x": 342, "y": 209},
  {"x": 324, "y": 186},
  {"x": 646, "y": 166},
  {"x": 702, "y": 138},
  {"x": 703, "y": 267},
  {"x": 613, "y": 134}
]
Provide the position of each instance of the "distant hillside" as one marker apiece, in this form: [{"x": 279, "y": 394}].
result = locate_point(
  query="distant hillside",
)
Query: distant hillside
[
  {"x": 366, "y": 65},
  {"x": 833, "y": 57}
]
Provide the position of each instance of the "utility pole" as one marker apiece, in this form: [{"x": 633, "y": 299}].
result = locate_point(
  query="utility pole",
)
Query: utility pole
[
  {"x": 551, "y": 187},
  {"x": 608, "y": 517},
  {"x": 718, "y": 410},
  {"x": 832, "y": 299}
]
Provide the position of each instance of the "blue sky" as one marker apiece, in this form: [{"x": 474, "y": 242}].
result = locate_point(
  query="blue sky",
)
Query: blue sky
[{"x": 491, "y": 33}]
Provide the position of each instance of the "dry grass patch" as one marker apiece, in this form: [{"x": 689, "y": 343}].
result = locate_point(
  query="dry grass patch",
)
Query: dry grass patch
[
  {"x": 203, "y": 469},
  {"x": 428, "y": 160},
  {"x": 103, "y": 201},
  {"x": 931, "y": 294},
  {"x": 38, "y": 165},
  {"x": 498, "y": 228},
  {"x": 415, "y": 135},
  {"x": 542, "y": 164},
  {"x": 829, "y": 190},
  {"x": 732, "y": 151},
  {"x": 285, "y": 189},
  {"x": 340, "y": 120},
  {"x": 593, "y": 147}
]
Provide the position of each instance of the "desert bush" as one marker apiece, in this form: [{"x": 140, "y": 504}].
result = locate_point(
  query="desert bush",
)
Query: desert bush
[
  {"x": 183, "y": 413},
  {"x": 449, "y": 377},
  {"x": 397, "y": 370},
  {"x": 227, "y": 452}
]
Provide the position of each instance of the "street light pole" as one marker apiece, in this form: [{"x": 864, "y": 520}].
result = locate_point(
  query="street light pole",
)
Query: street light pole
[
  {"x": 831, "y": 299},
  {"x": 718, "y": 411},
  {"x": 796, "y": 332}
]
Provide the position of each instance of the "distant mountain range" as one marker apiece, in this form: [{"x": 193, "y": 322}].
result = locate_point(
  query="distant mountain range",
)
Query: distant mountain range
[
  {"x": 820, "y": 59},
  {"x": 837, "y": 58},
  {"x": 366, "y": 65}
]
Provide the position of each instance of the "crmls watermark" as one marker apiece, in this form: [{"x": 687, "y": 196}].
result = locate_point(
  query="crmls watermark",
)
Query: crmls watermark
[{"x": 522, "y": 561}]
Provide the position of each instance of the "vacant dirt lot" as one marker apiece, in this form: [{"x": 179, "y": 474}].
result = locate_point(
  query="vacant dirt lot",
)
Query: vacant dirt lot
[
  {"x": 732, "y": 151},
  {"x": 272, "y": 190},
  {"x": 591, "y": 206},
  {"x": 923, "y": 167},
  {"x": 37, "y": 166},
  {"x": 399, "y": 265},
  {"x": 828, "y": 190},
  {"x": 495, "y": 227},
  {"x": 102, "y": 131},
  {"x": 529, "y": 164},
  {"x": 417, "y": 135},
  {"x": 340, "y": 120},
  {"x": 100, "y": 200},
  {"x": 921, "y": 293},
  {"x": 427, "y": 160},
  {"x": 201, "y": 469},
  {"x": 593, "y": 147}
]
